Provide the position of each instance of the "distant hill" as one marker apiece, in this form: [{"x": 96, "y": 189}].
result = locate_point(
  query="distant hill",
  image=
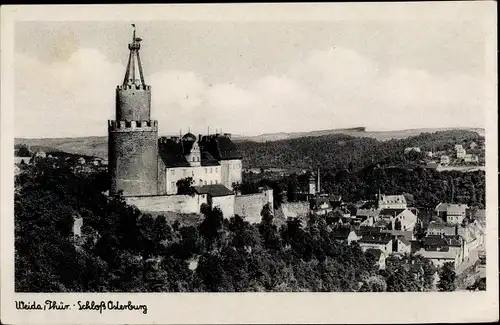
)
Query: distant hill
[
  {"x": 355, "y": 132},
  {"x": 97, "y": 146}
]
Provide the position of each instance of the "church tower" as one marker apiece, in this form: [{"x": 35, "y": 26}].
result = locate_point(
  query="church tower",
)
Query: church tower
[{"x": 133, "y": 136}]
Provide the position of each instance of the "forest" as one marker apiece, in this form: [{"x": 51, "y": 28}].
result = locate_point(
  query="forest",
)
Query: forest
[
  {"x": 123, "y": 250},
  {"x": 341, "y": 151},
  {"x": 424, "y": 188}
]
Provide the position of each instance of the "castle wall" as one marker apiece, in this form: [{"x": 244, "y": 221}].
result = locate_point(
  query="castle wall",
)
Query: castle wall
[
  {"x": 133, "y": 152},
  {"x": 293, "y": 210},
  {"x": 133, "y": 103},
  {"x": 168, "y": 203},
  {"x": 250, "y": 205},
  {"x": 231, "y": 172},
  {"x": 225, "y": 203}
]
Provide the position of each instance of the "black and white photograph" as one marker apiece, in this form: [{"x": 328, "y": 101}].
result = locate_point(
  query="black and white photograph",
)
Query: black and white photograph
[{"x": 250, "y": 156}]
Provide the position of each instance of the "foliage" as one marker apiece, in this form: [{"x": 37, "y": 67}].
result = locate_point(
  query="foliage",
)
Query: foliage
[
  {"x": 122, "y": 249},
  {"x": 341, "y": 151},
  {"x": 22, "y": 150},
  {"x": 447, "y": 278},
  {"x": 185, "y": 186}
]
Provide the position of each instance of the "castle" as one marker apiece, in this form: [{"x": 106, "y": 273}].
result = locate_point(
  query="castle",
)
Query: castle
[{"x": 147, "y": 169}]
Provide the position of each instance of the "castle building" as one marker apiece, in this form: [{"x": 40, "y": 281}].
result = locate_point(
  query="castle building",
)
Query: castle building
[
  {"x": 140, "y": 164},
  {"x": 146, "y": 169}
]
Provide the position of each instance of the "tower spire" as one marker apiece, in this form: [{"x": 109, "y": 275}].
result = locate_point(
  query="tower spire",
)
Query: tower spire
[{"x": 133, "y": 73}]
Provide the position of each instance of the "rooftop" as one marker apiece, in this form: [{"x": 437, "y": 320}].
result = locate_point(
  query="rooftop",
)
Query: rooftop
[
  {"x": 438, "y": 254},
  {"x": 392, "y": 199},
  {"x": 375, "y": 239},
  {"x": 214, "y": 190}
]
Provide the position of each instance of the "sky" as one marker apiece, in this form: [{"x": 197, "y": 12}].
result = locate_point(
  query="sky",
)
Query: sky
[{"x": 251, "y": 78}]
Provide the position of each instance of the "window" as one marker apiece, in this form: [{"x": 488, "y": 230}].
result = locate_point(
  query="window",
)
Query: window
[
  {"x": 172, "y": 184},
  {"x": 216, "y": 182},
  {"x": 211, "y": 182},
  {"x": 184, "y": 172},
  {"x": 210, "y": 170},
  {"x": 173, "y": 171},
  {"x": 216, "y": 169},
  {"x": 205, "y": 182},
  {"x": 206, "y": 170}
]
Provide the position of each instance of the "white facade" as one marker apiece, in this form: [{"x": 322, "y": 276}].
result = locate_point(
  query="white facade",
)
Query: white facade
[
  {"x": 202, "y": 175},
  {"x": 408, "y": 220},
  {"x": 231, "y": 172},
  {"x": 461, "y": 152},
  {"x": 445, "y": 160},
  {"x": 386, "y": 248},
  {"x": 439, "y": 258}
]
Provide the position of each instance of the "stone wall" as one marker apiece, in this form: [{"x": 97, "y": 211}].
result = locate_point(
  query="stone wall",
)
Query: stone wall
[
  {"x": 225, "y": 203},
  {"x": 250, "y": 206},
  {"x": 293, "y": 210},
  {"x": 168, "y": 203}
]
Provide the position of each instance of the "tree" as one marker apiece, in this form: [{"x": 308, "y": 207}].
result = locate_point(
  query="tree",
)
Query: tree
[
  {"x": 211, "y": 226},
  {"x": 23, "y": 151},
  {"x": 185, "y": 186},
  {"x": 447, "y": 277}
]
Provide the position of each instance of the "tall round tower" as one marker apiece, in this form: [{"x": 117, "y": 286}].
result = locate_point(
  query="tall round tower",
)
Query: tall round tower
[{"x": 133, "y": 136}]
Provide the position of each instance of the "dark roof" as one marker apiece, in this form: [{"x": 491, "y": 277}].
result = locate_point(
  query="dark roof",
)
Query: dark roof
[
  {"x": 375, "y": 239},
  {"x": 189, "y": 137},
  {"x": 433, "y": 240},
  {"x": 404, "y": 240},
  {"x": 172, "y": 156},
  {"x": 173, "y": 152},
  {"x": 369, "y": 230},
  {"x": 341, "y": 233},
  {"x": 208, "y": 160},
  {"x": 213, "y": 190},
  {"x": 220, "y": 146},
  {"x": 391, "y": 212},
  {"x": 408, "y": 235}
]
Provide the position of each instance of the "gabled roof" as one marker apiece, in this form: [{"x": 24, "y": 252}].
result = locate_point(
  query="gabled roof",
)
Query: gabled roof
[
  {"x": 456, "y": 208},
  {"x": 392, "y": 199},
  {"x": 341, "y": 233},
  {"x": 367, "y": 212},
  {"x": 214, "y": 190},
  {"x": 220, "y": 147},
  {"x": 408, "y": 235},
  {"x": 451, "y": 208},
  {"x": 442, "y": 228},
  {"x": 404, "y": 240},
  {"x": 376, "y": 239},
  {"x": 173, "y": 153},
  {"x": 391, "y": 212},
  {"x": 208, "y": 160},
  {"x": 435, "y": 240}
]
